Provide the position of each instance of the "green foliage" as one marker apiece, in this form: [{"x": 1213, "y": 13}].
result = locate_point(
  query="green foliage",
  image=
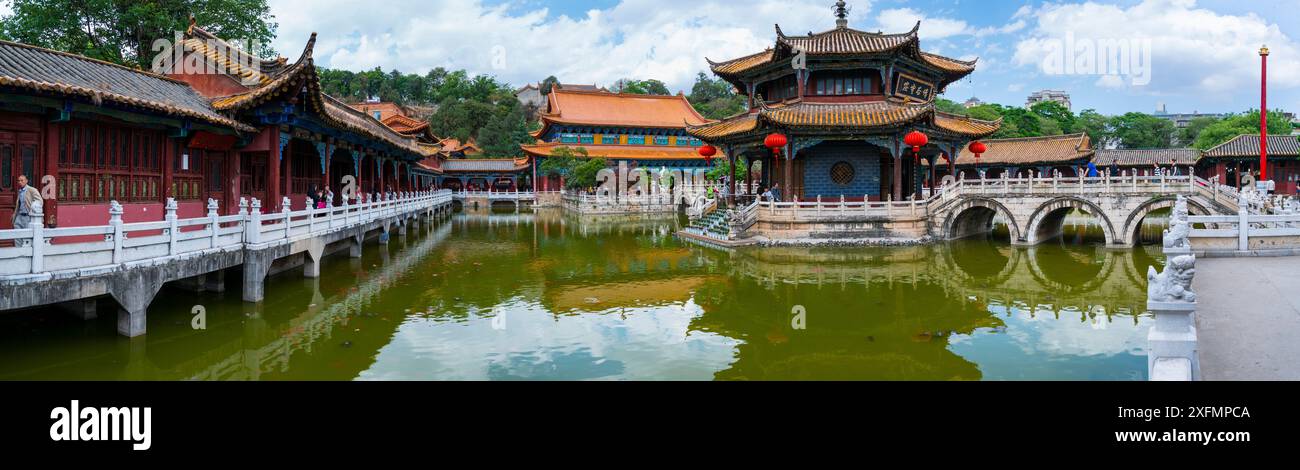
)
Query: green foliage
[
  {"x": 584, "y": 174},
  {"x": 715, "y": 98},
  {"x": 478, "y": 107},
  {"x": 1234, "y": 125},
  {"x": 722, "y": 167},
  {"x": 1095, "y": 125},
  {"x": 1187, "y": 135},
  {"x": 949, "y": 106},
  {"x": 123, "y": 32},
  {"x": 1141, "y": 131},
  {"x": 549, "y": 84},
  {"x": 641, "y": 87},
  {"x": 562, "y": 161},
  {"x": 577, "y": 167},
  {"x": 1056, "y": 117}
]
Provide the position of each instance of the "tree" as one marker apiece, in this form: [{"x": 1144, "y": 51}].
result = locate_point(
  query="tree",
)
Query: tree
[
  {"x": 562, "y": 162},
  {"x": 715, "y": 98},
  {"x": 502, "y": 136},
  {"x": 123, "y": 32},
  {"x": 1095, "y": 125},
  {"x": 1061, "y": 117},
  {"x": 1234, "y": 125},
  {"x": 549, "y": 84},
  {"x": 641, "y": 87},
  {"x": 722, "y": 167},
  {"x": 950, "y": 106},
  {"x": 1142, "y": 131},
  {"x": 584, "y": 173}
]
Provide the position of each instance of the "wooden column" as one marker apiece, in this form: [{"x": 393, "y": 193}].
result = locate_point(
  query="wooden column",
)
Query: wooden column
[
  {"x": 273, "y": 173},
  {"x": 789, "y": 170},
  {"x": 898, "y": 173},
  {"x": 731, "y": 157}
]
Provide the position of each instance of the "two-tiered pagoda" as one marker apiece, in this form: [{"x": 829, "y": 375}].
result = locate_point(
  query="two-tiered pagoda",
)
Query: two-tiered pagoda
[{"x": 844, "y": 101}]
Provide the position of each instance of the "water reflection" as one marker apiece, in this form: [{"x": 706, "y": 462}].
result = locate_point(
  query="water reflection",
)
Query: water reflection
[{"x": 544, "y": 296}]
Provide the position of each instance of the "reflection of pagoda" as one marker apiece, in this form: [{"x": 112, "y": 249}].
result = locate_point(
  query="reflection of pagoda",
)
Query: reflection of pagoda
[{"x": 844, "y": 100}]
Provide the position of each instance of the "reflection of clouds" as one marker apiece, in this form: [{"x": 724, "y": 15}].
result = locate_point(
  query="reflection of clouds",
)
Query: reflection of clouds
[
  {"x": 1071, "y": 336},
  {"x": 1073, "y": 347},
  {"x": 620, "y": 343}
]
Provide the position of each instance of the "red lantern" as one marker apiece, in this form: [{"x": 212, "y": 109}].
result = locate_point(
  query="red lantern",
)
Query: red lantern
[
  {"x": 978, "y": 148},
  {"x": 775, "y": 142},
  {"x": 708, "y": 151},
  {"x": 916, "y": 140}
]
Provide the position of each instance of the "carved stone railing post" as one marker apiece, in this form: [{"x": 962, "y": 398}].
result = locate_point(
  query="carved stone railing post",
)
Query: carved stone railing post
[
  {"x": 285, "y": 204},
  {"x": 1172, "y": 342},
  {"x": 243, "y": 217},
  {"x": 36, "y": 221},
  {"x": 172, "y": 231},
  {"x": 115, "y": 221},
  {"x": 213, "y": 222},
  {"x": 253, "y": 229}
]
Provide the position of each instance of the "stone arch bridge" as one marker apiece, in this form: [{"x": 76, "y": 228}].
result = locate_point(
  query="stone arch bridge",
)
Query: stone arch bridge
[{"x": 1034, "y": 209}]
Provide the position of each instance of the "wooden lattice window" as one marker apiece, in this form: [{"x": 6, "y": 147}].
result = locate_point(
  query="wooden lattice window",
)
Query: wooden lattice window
[{"x": 842, "y": 173}]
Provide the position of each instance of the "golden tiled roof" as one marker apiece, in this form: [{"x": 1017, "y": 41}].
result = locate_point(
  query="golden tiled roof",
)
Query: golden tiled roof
[
  {"x": 736, "y": 66},
  {"x": 848, "y": 41},
  {"x": 966, "y": 126},
  {"x": 731, "y": 126},
  {"x": 948, "y": 64},
  {"x": 844, "y": 41},
  {"x": 874, "y": 114},
  {"x": 602, "y": 108},
  {"x": 620, "y": 152},
  {"x": 1032, "y": 150},
  {"x": 805, "y": 115}
]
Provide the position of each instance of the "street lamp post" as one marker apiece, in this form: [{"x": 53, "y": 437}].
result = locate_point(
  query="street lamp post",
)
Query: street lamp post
[{"x": 1263, "y": 114}]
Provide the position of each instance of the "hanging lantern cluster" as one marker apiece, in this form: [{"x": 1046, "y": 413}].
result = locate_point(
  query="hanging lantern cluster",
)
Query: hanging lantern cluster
[{"x": 916, "y": 140}]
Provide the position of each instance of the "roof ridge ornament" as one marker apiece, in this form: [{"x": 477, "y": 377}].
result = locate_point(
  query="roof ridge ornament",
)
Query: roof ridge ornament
[{"x": 841, "y": 15}]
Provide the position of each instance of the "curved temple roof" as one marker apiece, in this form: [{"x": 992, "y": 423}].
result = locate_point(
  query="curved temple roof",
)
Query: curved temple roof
[
  {"x": 48, "y": 71},
  {"x": 290, "y": 79},
  {"x": 599, "y": 108},
  {"x": 846, "y": 117},
  {"x": 844, "y": 41}
]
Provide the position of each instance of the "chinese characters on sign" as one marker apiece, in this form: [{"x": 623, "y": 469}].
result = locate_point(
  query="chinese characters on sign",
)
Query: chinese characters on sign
[{"x": 910, "y": 87}]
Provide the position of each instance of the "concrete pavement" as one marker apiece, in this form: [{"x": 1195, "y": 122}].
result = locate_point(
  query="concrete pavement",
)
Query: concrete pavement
[{"x": 1248, "y": 318}]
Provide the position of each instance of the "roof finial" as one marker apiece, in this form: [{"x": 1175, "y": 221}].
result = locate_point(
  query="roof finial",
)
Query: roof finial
[{"x": 841, "y": 15}]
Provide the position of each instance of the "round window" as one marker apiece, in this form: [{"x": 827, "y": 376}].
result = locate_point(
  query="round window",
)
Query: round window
[{"x": 842, "y": 173}]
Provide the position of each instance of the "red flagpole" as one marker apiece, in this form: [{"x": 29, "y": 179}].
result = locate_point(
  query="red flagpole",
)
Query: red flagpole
[{"x": 1263, "y": 114}]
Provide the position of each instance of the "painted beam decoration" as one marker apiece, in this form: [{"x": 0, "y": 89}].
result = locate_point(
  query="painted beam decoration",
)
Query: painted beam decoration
[{"x": 913, "y": 88}]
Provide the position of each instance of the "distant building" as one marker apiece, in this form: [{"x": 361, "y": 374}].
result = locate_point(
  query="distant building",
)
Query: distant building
[
  {"x": 531, "y": 96},
  {"x": 1182, "y": 120},
  {"x": 973, "y": 102},
  {"x": 1048, "y": 95}
]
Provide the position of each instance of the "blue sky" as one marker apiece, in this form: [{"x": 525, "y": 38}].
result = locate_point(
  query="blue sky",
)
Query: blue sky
[{"x": 1202, "y": 53}]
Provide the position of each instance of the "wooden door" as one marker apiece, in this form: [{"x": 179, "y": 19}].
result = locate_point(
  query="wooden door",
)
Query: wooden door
[{"x": 18, "y": 151}]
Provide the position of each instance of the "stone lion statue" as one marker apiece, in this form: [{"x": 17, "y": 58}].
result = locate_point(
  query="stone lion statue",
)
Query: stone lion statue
[{"x": 1175, "y": 283}]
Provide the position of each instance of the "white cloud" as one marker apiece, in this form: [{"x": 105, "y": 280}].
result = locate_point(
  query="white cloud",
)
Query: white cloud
[
  {"x": 904, "y": 19},
  {"x": 1193, "y": 50},
  {"x": 662, "y": 39}
]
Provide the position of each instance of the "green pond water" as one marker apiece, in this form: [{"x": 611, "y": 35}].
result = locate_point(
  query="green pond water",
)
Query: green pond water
[{"x": 542, "y": 297}]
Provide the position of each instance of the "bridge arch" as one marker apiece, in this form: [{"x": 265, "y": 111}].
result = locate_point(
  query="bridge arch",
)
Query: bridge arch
[
  {"x": 1134, "y": 221},
  {"x": 974, "y": 216},
  {"x": 1048, "y": 219},
  {"x": 1051, "y": 283}
]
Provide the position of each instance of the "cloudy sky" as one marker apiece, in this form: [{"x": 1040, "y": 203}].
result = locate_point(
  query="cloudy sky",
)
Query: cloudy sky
[{"x": 1203, "y": 54}]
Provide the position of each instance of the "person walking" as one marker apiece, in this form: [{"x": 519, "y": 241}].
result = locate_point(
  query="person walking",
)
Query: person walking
[{"x": 28, "y": 197}]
